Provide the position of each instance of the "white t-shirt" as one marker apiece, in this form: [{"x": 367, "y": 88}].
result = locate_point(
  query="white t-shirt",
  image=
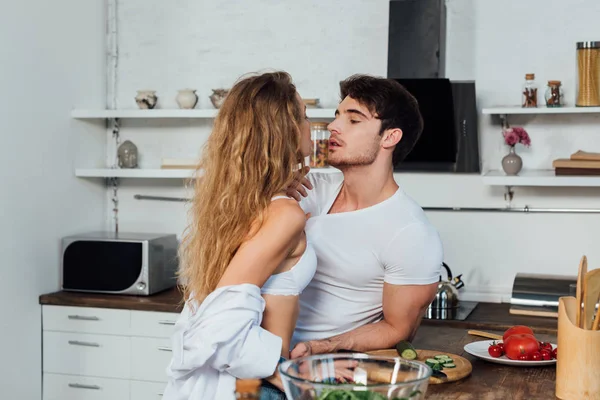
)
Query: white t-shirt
[{"x": 357, "y": 252}]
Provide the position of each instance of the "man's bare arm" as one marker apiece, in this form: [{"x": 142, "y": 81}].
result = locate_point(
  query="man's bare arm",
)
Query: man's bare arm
[{"x": 403, "y": 309}]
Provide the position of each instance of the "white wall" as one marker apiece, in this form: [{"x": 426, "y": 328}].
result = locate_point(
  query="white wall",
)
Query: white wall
[
  {"x": 206, "y": 45},
  {"x": 52, "y": 60}
]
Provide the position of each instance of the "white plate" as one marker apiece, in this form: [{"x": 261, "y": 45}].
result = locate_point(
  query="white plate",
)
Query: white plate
[{"x": 479, "y": 349}]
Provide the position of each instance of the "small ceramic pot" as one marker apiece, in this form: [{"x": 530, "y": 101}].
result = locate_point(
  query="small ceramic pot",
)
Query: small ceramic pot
[
  {"x": 128, "y": 155},
  {"x": 187, "y": 98},
  {"x": 512, "y": 162},
  {"x": 146, "y": 99},
  {"x": 218, "y": 97}
]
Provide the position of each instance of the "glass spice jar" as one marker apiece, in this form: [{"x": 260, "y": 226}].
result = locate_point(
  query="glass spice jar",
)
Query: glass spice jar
[
  {"x": 529, "y": 92},
  {"x": 554, "y": 94},
  {"x": 319, "y": 135}
]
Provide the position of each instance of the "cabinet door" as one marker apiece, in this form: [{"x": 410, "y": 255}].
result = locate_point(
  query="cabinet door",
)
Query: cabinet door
[
  {"x": 152, "y": 324},
  {"x": 150, "y": 358},
  {"x": 86, "y": 320},
  {"x": 85, "y": 354},
  {"x": 147, "y": 390},
  {"x": 69, "y": 387}
]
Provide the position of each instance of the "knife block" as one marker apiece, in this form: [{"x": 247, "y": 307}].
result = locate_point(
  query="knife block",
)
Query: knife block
[{"x": 578, "y": 361}]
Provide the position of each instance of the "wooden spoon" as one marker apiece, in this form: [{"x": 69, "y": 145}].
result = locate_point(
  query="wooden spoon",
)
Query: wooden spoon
[
  {"x": 485, "y": 335},
  {"x": 590, "y": 291},
  {"x": 596, "y": 324},
  {"x": 580, "y": 290}
]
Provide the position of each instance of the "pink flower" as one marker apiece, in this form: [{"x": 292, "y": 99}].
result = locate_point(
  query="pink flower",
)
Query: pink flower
[
  {"x": 510, "y": 137},
  {"x": 515, "y": 135},
  {"x": 523, "y": 136}
]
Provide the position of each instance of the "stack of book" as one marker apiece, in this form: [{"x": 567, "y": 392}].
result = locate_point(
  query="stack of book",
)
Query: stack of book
[
  {"x": 178, "y": 163},
  {"x": 580, "y": 163}
]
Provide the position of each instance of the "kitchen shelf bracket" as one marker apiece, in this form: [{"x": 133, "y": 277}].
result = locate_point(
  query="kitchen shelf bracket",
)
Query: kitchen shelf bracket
[
  {"x": 508, "y": 195},
  {"x": 114, "y": 184}
]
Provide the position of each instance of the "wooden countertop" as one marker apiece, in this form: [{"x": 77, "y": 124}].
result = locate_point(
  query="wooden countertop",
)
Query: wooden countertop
[
  {"x": 488, "y": 381},
  {"x": 486, "y": 316}
]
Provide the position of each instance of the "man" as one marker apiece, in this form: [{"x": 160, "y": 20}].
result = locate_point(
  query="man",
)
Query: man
[{"x": 379, "y": 258}]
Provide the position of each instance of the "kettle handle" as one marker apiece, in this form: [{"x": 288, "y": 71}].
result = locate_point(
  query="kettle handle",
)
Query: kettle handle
[{"x": 447, "y": 271}]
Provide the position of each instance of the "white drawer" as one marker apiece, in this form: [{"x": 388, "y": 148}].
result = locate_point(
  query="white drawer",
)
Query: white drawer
[
  {"x": 147, "y": 390},
  {"x": 150, "y": 358},
  {"x": 153, "y": 324},
  {"x": 85, "y": 354},
  {"x": 69, "y": 387},
  {"x": 86, "y": 320}
]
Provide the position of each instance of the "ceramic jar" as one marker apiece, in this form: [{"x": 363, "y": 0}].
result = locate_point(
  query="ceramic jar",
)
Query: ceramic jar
[
  {"x": 127, "y": 155},
  {"x": 146, "y": 99},
  {"x": 187, "y": 98},
  {"x": 512, "y": 162},
  {"x": 218, "y": 97}
]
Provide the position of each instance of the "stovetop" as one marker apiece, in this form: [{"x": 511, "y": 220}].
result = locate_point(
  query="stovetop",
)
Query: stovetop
[{"x": 465, "y": 308}]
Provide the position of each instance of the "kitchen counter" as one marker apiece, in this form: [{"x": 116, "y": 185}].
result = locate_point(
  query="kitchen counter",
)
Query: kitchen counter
[
  {"x": 486, "y": 316},
  {"x": 488, "y": 381}
]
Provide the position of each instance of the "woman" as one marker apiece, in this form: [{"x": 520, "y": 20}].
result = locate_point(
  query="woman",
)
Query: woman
[{"x": 245, "y": 257}]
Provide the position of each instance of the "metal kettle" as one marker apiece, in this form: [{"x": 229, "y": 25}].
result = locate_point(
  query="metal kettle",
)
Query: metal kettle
[{"x": 445, "y": 302}]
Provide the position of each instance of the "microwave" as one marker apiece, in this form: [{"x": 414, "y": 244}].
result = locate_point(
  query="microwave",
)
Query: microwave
[{"x": 119, "y": 263}]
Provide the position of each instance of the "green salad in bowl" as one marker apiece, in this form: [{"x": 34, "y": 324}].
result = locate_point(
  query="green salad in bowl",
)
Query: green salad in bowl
[{"x": 354, "y": 377}]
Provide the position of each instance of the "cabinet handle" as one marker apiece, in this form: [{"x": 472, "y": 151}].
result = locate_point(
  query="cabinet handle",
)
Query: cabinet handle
[
  {"x": 160, "y": 394},
  {"x": 88, "y": 344},
  {"x": 165, "y": 322},
  {"x": 164, "y": 348},
  {"x": 84, "y": 318},
  {"x": 80, "y": 386}
]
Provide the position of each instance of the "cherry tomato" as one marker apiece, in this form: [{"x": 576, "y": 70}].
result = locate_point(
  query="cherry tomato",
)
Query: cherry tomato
[
  {"x": 524, "y": 357},
  {"x": 546, "y": 354},
  {"x": 546, "y": 346},
  {"x": 501, "y": 345},
  {"x": 517, "y": 329},
  {"x": 555, "y": 353},
  {"x": 520, "y": 344},
  {"x": 495, "y": 351},
  {"x": 537, "y": 356}
]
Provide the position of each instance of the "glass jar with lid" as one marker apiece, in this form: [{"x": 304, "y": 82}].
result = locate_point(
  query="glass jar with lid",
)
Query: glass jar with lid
[
  {"x": 588, "y": 74},
  {"x": 529, "y": 92},
  {"x": 554, "y": 94},
  {"x": 319, "y": 135}
]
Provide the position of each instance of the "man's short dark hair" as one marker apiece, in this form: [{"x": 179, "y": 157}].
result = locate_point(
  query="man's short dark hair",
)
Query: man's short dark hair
[{"x": 390, "y": 102}]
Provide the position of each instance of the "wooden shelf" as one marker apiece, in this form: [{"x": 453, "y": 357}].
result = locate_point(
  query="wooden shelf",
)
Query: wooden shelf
[
  {"x": 540, "y": 110},
  {"x": 539, "y": 178},
  {"x": 325, "y": 113},
  {"x": 151, "y": 173}
]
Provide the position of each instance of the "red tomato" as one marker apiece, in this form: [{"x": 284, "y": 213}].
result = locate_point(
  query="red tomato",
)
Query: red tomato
[
  {"x": 546, "y": 354},
  {"x": 555, "y": 353},
  {"x": 546, "y": 346},
  {"x": 520, "y": 344},
  {"x": 495, "y": 351},
  {"x": 537, "y": 356},
  {"x": 517, "y": 329},
  {"x": 501, "y": 345},
  {"x": 524, "y": 357}
]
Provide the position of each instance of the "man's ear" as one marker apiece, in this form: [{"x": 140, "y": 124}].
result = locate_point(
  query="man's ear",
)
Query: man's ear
[{"x": 391, "y": 137}]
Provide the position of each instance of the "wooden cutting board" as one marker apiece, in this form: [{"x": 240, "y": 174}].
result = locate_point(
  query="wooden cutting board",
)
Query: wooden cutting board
[{"x": 462, "y": 370}]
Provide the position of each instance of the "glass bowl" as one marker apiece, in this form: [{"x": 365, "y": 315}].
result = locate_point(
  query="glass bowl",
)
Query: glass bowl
[{"x": 354, "y": 376}]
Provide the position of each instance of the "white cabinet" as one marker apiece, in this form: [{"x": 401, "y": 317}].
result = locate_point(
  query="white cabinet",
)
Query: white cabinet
[{"x": 105, "y": 354}]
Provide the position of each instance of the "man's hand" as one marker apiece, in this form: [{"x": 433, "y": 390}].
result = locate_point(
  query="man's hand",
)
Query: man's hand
[
  {"x": 302, "y": 349},
  {"x": 297, "y": 189}
]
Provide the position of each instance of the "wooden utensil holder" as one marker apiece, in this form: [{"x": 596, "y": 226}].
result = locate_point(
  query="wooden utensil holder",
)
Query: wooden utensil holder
[{"x": 578, "y": 361}]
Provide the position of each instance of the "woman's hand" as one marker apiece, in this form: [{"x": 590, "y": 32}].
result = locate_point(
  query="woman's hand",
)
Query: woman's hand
[{"x": 297, "y": 189}]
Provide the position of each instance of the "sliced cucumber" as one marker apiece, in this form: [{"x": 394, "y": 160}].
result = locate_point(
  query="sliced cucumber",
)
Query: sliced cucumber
[
  {"x": 406, "y": 350},
  {"x": 449, "y": 365},
  {"x": 440, "y": 357},
  {"x": 437, "y": 367},
  {"x": 431, "y": 362}
]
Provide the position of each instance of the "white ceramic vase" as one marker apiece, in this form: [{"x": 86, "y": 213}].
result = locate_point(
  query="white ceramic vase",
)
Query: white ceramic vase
[
  {"x": 146, "y": 99},
  {"x": 187, "y": 98}
]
